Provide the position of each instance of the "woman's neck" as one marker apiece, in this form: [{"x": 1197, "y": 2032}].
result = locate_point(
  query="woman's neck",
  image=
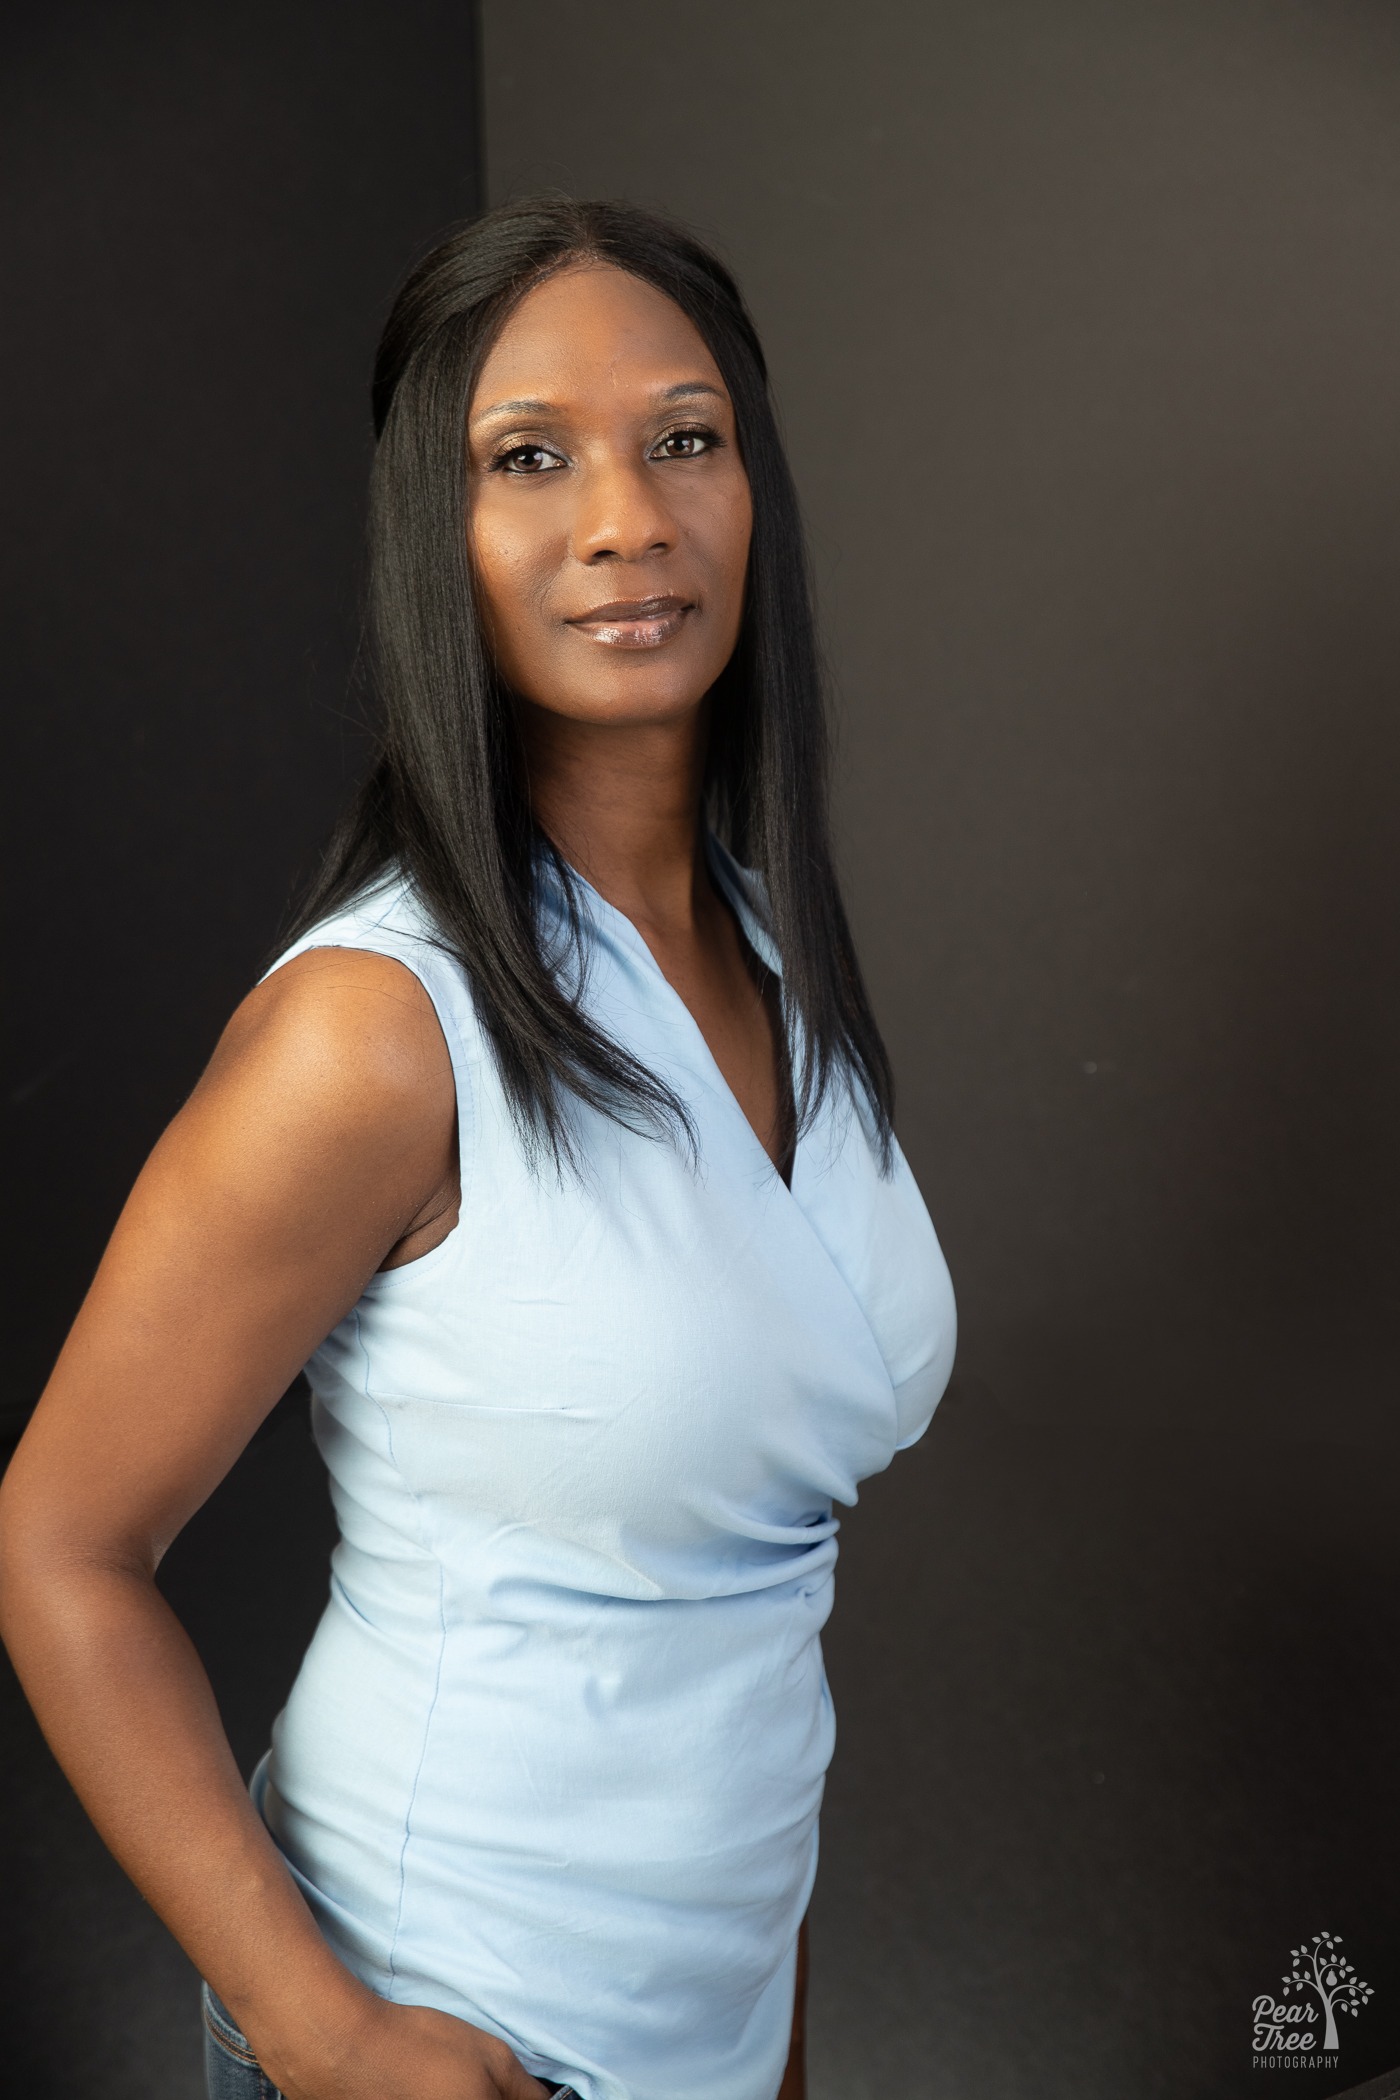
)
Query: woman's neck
[{"x": 622, "y": 802}]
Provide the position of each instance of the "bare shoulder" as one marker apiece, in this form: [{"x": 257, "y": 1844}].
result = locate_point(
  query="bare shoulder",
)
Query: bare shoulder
[
  {"x": 330, "y": 1092},
  {"x": 352, "y": 1027}
]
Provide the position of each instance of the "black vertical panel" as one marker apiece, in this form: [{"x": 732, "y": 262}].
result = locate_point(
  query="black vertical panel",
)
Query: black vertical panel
[
  {"x": 1085, "y": 322},
  {"x": 206, "y": 210},
  {"x": 205, "y": 213}
]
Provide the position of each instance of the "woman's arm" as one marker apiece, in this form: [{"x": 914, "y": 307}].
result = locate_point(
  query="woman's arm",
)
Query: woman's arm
[{"x": 321, "y": 1138}]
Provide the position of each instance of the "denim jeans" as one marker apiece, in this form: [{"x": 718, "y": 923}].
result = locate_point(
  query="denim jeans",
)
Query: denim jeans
[{"x": 232, "y": 2072}]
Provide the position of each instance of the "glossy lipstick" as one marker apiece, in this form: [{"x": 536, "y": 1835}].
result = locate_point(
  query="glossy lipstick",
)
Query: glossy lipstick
[{"x": 637, "y": 623}]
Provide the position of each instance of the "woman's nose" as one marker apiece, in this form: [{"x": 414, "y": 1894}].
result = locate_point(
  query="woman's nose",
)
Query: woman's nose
[{"x": 622, "y": 515}]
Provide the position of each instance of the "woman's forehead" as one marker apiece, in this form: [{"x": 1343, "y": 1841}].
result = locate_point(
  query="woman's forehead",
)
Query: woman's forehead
[{"x": 590, "y": 329}]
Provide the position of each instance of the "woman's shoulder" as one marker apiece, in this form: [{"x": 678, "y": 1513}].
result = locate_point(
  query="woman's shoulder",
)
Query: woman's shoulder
[
  {"x": 375, "y": 967},
  {"x": 388, "y": 921},
  {"x": 350, "y": 992},
  {"x": 336, "y": 1056},
  {"x": 385, "y": 917}
]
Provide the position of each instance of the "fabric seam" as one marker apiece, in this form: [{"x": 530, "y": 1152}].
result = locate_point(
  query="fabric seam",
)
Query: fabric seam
[
  {"x": 376, "y": 1403},
  {"x": 226, "y": 2041}
]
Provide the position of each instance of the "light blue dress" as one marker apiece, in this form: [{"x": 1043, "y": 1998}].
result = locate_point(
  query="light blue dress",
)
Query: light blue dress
[{"x": 554, "y": 1759}]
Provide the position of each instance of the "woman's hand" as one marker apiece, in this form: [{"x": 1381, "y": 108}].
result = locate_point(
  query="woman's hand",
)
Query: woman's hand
[{"x": 409, "y": 2052}]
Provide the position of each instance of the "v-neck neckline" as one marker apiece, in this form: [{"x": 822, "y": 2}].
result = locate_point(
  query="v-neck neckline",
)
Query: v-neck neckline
[
  {"x": 801, "y": 1210},
  {"x": 730, "y": 878}
]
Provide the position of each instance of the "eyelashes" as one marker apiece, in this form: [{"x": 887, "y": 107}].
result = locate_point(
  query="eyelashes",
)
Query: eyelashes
[
  {"x": 529, "y": 461},
  {"x": 696, "y": 434},
  {"x": 516, "y": 460}
]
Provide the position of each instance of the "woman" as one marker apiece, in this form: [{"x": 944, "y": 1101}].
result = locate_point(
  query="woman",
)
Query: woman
[{"x": 558, "y": 1140}]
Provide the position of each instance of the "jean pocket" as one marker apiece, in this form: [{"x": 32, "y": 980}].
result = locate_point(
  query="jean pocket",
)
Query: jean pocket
[{"x": 231, "y": 2071}]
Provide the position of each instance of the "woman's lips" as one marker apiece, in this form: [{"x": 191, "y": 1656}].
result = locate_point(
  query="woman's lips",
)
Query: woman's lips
[{"x": 640, "y": 623}]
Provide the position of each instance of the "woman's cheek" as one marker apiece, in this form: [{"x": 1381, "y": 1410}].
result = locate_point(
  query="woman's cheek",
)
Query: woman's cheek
[{"x": 504, "y": 580}]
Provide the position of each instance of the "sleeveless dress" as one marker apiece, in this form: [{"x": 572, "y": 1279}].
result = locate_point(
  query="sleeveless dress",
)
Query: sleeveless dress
[{"x": 554, "y": 1758}]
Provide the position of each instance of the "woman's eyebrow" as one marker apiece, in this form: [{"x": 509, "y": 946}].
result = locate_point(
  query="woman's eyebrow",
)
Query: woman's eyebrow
[
  {"x": 514, "y": 408},
  {"x": 682, "y": 389}
]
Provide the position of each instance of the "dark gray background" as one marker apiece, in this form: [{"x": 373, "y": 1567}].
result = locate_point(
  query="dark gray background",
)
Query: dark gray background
[{"x": 1084, "y": 324}]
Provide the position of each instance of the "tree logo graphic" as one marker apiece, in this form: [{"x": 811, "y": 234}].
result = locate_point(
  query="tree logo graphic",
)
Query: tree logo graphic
[
  {"x": 1323, "y": 1968},
  {"x": 1324, "y": 1985}
]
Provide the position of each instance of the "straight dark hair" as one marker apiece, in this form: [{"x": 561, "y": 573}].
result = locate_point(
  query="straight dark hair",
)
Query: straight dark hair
[{"x": 446, "y": 802}]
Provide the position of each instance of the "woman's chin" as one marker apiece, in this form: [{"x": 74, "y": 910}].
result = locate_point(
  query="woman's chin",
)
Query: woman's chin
[{"x": 625, "y": 702}]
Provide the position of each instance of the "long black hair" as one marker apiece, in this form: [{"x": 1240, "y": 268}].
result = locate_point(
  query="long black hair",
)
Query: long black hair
[{"x": 445, "y": 801}]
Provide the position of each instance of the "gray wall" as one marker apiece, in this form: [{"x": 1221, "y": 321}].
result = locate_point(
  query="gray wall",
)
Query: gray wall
[{"x": 1085, "y": 321}]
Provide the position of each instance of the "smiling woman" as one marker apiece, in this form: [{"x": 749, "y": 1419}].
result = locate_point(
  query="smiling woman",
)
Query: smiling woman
[
  {"x": 632, "y": 453},
  {"x": 600, "y": 475},
  {"x": 556, "y": 1146}
]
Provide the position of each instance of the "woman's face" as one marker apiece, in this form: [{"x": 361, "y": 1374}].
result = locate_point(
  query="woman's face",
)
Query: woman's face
[{"x": 609, "y": 511}]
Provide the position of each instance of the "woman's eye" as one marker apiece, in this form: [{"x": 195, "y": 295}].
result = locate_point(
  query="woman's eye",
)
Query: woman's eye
[
  {"x": 529, "y": 459},
  {"x": 684, "y": 444}
]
